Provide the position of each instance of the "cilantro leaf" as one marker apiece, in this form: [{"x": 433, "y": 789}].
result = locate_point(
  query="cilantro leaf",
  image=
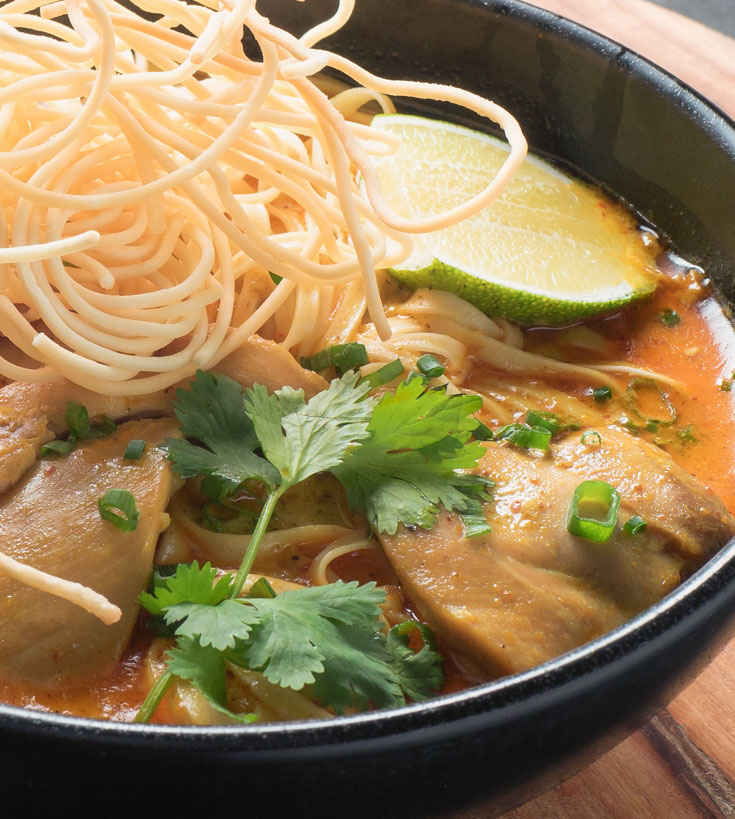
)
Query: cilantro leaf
[
  {"x": 358, "y": 673},
  {"x": 331, "y": 637},
  {"x": 413, "y": 417},
  {"x": 198, "y": 604},
  {"x": 205, "y": 668},
  {"x": 302, "y": 438},
  {"x": 408, "y": 467},
  {"x": 298, "y": 629},
  {"x": 421, "y": 673},
  {"x": 213, "y": 413},
  {"x": 190, "y": 584},
  {"x": 218, "y": 626}
]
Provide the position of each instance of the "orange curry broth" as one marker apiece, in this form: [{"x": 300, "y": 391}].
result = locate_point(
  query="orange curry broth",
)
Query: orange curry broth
[{"x": 697, "y": 352}]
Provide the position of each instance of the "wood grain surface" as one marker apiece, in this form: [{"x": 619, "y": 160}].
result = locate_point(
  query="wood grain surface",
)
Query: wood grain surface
[{"x": 682, "y": 763}]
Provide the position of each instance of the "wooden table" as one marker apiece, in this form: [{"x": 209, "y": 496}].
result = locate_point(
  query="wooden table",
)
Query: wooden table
[{"x": 682, "y": 763}]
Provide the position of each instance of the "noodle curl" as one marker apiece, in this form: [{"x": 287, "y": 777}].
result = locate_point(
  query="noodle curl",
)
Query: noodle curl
[{"x": 153, "y": 175}]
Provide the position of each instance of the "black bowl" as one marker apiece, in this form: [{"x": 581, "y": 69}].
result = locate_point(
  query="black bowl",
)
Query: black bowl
[{"x": 589, "y": 103}]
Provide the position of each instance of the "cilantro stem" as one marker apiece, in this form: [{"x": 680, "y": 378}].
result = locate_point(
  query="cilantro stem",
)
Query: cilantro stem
[
  {"x": 260, "y": 529},
  {"x": 161, "y": 686},
  {"x": 154, "y": 697}
]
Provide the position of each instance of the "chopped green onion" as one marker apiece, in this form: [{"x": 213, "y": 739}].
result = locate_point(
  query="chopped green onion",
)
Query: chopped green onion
[
  {"x": 430, "y": 366},
  {"x": 343, "y": 357},
  {"x": 135, "y": 449},
  {"x": 474, "y": 524},
  {"x": 652, "y": 424},
  {"x": 102, "y": 428},
  {"x": 482, "y": 432},
  {"x": 59, "y": 447},
  {"x": 548, "y": 420},
  {"x": 630, "y": 424},
  {"x": 687, "y": 435},
  {"x": 77, "y": 419},
  {"x": 80, "y": 429},
  {"x": 634, "y": 525},
  {"x": 261, "y": 589},
  {"x": 545, "y": 420},
  {"x": 590, "y": 497},
  {"x": 124, "y": 502},
  {"x": 670, "y": 317},
  {"x": 524, "y": 436},
  {"x": 591, "y": 437},
  {"x": 274, "y": 278},
  {"x": 384, "y": 375},
  {"x": 726, "y": 383},
  {"x": 602, "y": 394}
]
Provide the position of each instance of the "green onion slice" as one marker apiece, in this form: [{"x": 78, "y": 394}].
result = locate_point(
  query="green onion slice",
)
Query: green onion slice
[
  {"x": 122, "y": 501},
  {"x": 135, "y": 449},
  {"x": 591, "y": 438},
  {"x": 636, "y": 388},
  {"x": 430, "y": 366},
  {"x": 77, "y": 419},
  {"x": 482, "y": 432},
  {"x": 634, "y": 525},
  {"x": 548, "y": 420},
  {"x": 593, "y": 511},
  {"x": 384, "y": 375},
  {"x": 59, "y": 447},
  {"x": 342, "y": 357},
  {"x": 261, "y": 589},
  {"x": 687, "y": 435},
  {"x": 474, "y": 524},
  {"x": 80, "y": 429},
  {"x": 670, "y": 318},
  {"x": 602, "y": 394},
  {"x": 630, "y": 424},
  {"x": 525, "y": 437}
]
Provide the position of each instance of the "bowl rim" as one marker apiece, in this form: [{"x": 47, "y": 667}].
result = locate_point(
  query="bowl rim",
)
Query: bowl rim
[{"x": 692, "y": 594}]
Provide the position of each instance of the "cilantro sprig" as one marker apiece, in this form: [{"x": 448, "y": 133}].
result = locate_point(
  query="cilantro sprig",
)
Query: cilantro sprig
[
  {"x": 328, "y": 637},
  {"x": 400, "y": 459}
]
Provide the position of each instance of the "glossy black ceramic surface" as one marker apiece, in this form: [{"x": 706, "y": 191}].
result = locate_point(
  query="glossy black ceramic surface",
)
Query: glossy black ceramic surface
[{"x": 594, "y": 105}]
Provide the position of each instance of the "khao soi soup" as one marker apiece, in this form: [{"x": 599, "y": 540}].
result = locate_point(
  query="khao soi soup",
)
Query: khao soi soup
[{"x": 310, "y": 406}]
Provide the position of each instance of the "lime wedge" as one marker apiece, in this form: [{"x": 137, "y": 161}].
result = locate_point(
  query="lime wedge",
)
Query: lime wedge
[{"x": 549, "y": 250}]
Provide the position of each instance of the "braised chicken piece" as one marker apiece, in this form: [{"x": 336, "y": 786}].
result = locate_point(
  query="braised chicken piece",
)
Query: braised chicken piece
[
  {"x": 50, "y": 520},
  {"x": 530, "y": 590},
  {"x": 33, "y": 414},
  {"x": 260, "y": 361}
]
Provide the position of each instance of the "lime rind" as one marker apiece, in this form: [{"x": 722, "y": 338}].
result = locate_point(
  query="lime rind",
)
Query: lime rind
[{"x": 496, "y": 299}]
